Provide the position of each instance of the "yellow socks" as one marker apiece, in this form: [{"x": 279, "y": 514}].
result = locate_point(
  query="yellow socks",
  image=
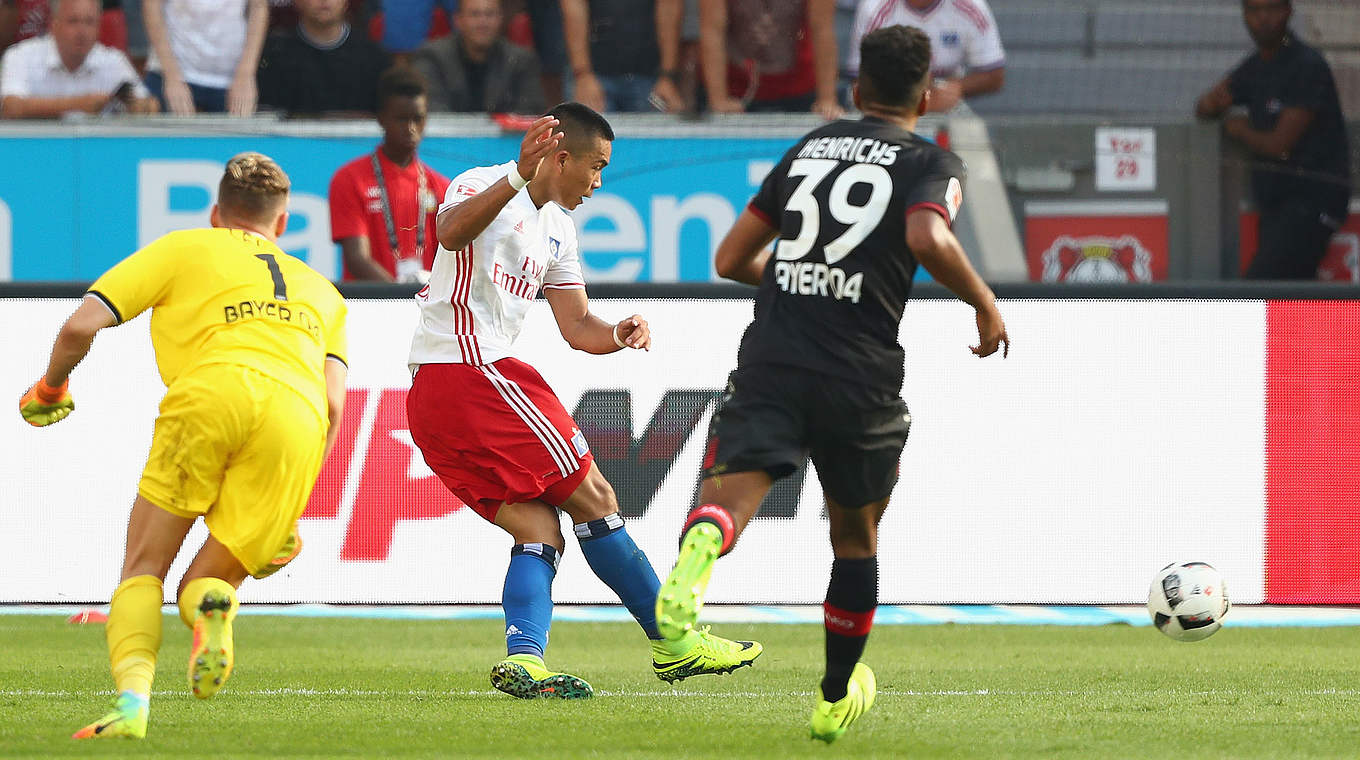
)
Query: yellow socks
[
  {"x": 134, "y": 633},
  {"x": 209, "y": 604},
  {"x": 134, "y": 627},
  {"x": 193, "y": 597}
]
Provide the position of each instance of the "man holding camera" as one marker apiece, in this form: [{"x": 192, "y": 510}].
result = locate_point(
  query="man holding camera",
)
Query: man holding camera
[{"x": 68, "y": 70}]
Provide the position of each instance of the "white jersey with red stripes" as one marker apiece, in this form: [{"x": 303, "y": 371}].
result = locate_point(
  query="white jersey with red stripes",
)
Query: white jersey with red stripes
[
  {"x": 474, "y": 305},
  {"x": 963, "y": 34}
]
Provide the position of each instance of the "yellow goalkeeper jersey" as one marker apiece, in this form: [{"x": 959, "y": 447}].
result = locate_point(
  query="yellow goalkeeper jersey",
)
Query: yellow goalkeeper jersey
[{"x": 226, "y": 296}]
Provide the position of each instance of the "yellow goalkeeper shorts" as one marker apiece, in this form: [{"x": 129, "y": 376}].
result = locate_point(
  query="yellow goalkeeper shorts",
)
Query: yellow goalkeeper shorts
[{"x": 242, "y": 450}]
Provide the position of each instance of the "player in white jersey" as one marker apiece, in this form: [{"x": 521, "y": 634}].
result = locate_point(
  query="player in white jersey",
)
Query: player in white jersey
[
  {"x": 492, "y": 429},
  {"x": 967, "y": 58}
]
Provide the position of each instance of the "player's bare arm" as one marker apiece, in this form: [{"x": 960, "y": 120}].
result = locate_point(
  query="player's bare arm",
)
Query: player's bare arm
[
  {"x": 48, "y": 400},
  {"x": 584, "y": 331},
  {"x": 1213, "y": 103},
  {"x": 358, "y": 257},
  {"x": 745, "y": 249},
  {"x": 75, "y": 338},
  {"x": 459, "y": 225},
  {"x": 936, "y": 248},
  {"x": 336, "y": 372},
  {"x": 1276, "y": 143}
]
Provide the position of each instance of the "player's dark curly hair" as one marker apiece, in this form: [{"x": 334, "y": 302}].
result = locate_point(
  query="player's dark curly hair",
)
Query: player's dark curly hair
[
  {"x": 894, "y": 66},
  {"x": 400, "y": 82},
  {"x": 580, "y": 126}
]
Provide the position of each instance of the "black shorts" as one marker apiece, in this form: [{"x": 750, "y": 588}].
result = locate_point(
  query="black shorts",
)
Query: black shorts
[{"x": 772, "y": 418}]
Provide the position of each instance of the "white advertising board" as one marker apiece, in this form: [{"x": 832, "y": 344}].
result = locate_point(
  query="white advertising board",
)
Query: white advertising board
[{"x": 1117, "y": 437}]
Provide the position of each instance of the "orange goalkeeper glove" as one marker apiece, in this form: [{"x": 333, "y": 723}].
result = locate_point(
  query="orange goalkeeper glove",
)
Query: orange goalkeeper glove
[{"x": 43, "y": 404}]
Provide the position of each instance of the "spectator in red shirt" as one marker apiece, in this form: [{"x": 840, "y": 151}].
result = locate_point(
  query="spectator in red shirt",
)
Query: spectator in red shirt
[
  {"x": 383, "y": 204},
  {"x": 22, "y": 19},
  {"x": 769, "y": 56}
]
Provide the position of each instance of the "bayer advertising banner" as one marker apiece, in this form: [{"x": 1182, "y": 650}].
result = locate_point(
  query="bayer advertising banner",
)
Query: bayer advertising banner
[{"x": 71, "y": 207}]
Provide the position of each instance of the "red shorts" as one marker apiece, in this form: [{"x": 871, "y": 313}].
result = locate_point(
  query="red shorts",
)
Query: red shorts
[{"x": 496, "y": 434}]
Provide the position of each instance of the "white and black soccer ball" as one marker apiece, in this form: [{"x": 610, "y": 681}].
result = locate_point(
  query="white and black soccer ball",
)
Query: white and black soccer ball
[{"x": 1188, "y": 600}]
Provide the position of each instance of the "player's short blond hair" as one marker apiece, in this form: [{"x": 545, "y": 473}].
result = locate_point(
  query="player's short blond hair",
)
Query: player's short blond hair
[{"x": 252, "y": 187}]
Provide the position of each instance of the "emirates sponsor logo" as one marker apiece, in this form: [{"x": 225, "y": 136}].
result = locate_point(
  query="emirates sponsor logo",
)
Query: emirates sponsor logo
[{"x": 842, "y": 623}]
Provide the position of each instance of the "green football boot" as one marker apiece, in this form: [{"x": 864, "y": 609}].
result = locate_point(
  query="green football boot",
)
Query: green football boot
[
  {"x": 700, "y": 652},
  {"x": 830, "y": 719},
  {"x": 127, "y": 720},
  {"x": 682, "y": 593},
  {"x": 524, "y": 676},
  {"x": 213, "y": 654}
]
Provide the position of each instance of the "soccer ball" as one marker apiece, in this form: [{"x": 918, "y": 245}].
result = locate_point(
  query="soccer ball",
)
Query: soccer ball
[{"x": 1188, "y": 600}]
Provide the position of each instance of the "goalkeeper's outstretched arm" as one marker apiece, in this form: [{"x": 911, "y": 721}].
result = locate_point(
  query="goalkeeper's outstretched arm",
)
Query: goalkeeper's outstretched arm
[
  {"x": 75, "y": 339},
  {"x": 49, "y": 401}
]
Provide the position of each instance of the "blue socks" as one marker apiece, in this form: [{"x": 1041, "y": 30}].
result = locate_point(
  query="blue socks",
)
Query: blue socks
[
  {"x": 527, "y": 598},
  {"x": 623, "y": 567},
  {"x": 614, "y": 558}
]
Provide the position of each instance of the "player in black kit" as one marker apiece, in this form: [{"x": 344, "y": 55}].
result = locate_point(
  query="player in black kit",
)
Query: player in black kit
[{"x": 855, "y": 206}]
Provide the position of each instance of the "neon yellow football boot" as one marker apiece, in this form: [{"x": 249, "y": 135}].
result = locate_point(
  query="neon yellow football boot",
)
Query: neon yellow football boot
[
  {"x": 524, "y": 676},
  {"x": 289, "y": 552},
  {"x": 213, "y": 654},
  {"x": 700, "y": 652},
  {"x": 682, "y": 593},
  {"x": 831, "y": 719},
  {"x": 127, "y": 720}
]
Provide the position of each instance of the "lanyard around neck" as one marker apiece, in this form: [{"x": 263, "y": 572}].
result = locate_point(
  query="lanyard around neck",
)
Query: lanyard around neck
[{"x": 422, "y": 189}]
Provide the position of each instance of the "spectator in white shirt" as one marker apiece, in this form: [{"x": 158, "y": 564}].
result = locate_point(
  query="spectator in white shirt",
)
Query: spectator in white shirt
[
  {"x": 204, "y": 53},
  {"x": 966, "y": 56},
  {"x": 68, "y": 70}
]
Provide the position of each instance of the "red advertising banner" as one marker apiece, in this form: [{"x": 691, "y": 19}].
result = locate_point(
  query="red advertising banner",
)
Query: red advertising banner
[
  {"x": 1312, "y": 452},
  {"x": 389, "y": 483},
  {"x": 1096, "y": 241},
  {"x": 1340, "y": 264}
]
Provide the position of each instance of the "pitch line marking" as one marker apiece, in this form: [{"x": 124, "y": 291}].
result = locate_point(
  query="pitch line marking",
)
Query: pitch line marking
[
  {"x": 289, "y": 691},
  {"x": 305, "y": 692}
]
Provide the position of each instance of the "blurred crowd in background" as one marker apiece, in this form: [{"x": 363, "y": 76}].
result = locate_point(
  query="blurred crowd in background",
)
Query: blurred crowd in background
[
  {"x": 1281, "y": 80},
  {"x": 313, "y": 58}
]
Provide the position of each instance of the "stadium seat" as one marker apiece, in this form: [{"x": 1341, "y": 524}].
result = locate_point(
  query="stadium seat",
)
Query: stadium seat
[
  {"x": 1169, "y": 26},
  {"x": 1330, "y": 27},
  {"x": 1027, "y": 27},
  {"x": 113, "y": 29},
  {"x": 1346, "y": 71},
  {"x": 1128, "y": 82},
  {"x": 439, "y": 25}
]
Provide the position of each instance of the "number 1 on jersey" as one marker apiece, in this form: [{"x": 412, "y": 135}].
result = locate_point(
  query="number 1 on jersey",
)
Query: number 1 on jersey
[{"x": 280, "y": 287}]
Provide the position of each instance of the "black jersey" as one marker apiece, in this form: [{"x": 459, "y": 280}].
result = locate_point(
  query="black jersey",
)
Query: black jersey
[
  {"x": 832, "y": 296},
  {"x": 1318, "y": 168}
]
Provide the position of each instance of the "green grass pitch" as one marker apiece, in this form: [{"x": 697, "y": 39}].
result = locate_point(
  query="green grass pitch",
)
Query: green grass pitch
[{"x": 326, "y": 687}]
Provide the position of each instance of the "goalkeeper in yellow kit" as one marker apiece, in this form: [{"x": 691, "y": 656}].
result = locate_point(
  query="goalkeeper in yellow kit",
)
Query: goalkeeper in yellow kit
[{"x": 250, "y": 343}]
